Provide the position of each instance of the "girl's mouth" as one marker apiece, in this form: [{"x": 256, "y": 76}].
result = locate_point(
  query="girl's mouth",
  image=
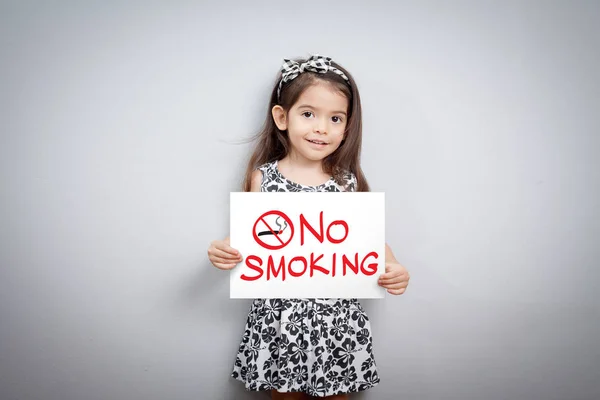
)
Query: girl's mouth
[{"x": 317, "y": 142}]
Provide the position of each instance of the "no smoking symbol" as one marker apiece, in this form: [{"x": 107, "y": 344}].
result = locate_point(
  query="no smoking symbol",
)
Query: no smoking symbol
[{"x": 273, "y": 230}]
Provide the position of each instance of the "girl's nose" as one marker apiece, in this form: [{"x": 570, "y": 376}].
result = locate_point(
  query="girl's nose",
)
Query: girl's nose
[{"x": 321, "y": 126}]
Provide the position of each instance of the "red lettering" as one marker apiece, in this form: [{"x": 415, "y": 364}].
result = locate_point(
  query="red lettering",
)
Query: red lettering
[
  {"x": 304, "y": 223},
  {"x": 313, "y": 265},
  {"x": 367, "y": 266},
  {"x": 371, "y": 268},
  {"x": 347, "y": 263},
  {"x": 334, "y": 223},
  {"x": 333, "y": 265},
  {"x": 256, "y": 268},
  {"x": 296, "y": 274},
  {"x": 271, "y": 267}
]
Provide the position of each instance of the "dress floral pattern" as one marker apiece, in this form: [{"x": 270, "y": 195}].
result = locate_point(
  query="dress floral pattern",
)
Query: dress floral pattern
[{"x": 321, "y": 347}]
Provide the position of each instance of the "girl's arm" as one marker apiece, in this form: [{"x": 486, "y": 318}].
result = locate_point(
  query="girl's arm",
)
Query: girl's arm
[
  {"x": 396, "y": 277},
  {"x": 220, "y": 253},
  {"x": 256, "y": 180},
  {"x": 389, "y": 255}
]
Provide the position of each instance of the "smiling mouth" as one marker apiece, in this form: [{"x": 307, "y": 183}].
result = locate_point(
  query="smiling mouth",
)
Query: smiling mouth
[{"x": 316, "y": 141}]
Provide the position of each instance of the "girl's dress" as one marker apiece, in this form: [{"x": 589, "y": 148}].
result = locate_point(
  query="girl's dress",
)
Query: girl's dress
[{"x": 321, "y": 347}]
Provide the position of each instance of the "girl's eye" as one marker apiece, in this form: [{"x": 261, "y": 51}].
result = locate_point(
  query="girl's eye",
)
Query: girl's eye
[
  {"x": 336, "y": 119},
  {"x": 307, "y": 114}
]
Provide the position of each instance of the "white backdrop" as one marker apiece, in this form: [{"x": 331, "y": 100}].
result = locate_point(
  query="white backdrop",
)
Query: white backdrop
[{"x": 117, "y": 156}]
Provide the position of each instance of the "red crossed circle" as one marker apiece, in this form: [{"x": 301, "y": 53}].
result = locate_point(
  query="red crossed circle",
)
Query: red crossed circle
[{"x": 282, "y": 243}]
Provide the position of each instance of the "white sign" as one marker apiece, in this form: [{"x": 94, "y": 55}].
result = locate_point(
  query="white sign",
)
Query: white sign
[{"x": 307, "y": 244}]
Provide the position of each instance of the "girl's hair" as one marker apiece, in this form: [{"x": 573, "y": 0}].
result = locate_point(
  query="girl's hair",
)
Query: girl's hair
[{"x": 273, "y": 144}]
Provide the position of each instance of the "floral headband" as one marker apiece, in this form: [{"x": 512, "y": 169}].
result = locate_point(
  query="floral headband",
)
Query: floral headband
[{"x": 291, "y": 69}]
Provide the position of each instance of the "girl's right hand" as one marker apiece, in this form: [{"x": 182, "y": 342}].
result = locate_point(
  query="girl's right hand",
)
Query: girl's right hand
[{"x": 222, "y": 255}]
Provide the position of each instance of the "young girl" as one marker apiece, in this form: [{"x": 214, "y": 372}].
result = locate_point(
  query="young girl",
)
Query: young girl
[{"x": 311, "y": 142}]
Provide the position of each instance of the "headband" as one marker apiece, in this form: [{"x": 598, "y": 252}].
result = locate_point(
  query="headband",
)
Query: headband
[{"x": 291, "y": 69}]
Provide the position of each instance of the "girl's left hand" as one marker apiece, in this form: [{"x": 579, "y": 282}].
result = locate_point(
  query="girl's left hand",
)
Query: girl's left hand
[{"x": 395, "y": 279}]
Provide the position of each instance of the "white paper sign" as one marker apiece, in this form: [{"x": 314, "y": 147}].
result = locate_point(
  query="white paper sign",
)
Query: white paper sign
[{"x": 308, "y": 245}]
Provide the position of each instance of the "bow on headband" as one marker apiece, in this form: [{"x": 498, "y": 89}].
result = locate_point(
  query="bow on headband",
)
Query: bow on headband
[{"x": 291, "y": 69}]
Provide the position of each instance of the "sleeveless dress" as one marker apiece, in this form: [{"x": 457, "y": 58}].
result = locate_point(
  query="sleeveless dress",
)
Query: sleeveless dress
[{"x": 321, "y": 347}]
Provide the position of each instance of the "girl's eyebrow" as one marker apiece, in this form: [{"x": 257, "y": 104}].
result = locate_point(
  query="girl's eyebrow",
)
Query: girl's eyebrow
[{"x": 309, "y": 106}]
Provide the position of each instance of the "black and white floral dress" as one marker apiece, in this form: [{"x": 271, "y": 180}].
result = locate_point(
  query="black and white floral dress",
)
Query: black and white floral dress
[{"x": 321, "y": 347}]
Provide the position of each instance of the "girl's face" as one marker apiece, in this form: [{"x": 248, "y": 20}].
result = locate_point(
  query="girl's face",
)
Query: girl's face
[{"x": 315, "y": 123}]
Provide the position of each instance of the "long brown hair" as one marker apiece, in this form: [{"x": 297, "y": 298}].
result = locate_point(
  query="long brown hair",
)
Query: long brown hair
[{"x": 273, "y": 144}]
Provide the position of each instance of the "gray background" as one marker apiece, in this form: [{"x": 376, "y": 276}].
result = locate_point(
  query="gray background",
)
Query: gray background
[{"x": 118, "y": 151}]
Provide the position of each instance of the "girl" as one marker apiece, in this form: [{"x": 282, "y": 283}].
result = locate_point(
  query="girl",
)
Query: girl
[{"x": 311, "y": 141}]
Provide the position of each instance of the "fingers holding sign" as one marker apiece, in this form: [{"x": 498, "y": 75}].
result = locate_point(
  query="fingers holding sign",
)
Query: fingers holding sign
[
  {"x": 395, "y": 279},
  {"x": 222, "y": 255}
]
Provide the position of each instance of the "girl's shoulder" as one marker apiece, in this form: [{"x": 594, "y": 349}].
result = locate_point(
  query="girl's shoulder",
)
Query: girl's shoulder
[
  {"x": 262, "y": 175},
  {"x": 266, "y": 172},
  {"x": 349, "y": 181},
  {"x": 267, "y": 167}
]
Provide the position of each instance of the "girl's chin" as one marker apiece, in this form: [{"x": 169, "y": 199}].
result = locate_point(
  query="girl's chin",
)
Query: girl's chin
[{"x": 311, "y": 155}]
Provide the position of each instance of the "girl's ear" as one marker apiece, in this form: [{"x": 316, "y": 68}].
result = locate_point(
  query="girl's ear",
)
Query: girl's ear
[{"x": 280, "y": 117}]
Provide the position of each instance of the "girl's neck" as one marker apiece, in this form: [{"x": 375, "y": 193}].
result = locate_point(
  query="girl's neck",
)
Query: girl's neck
[
  {"x": 300, "y": 163},
  {"x": 303, "y": 171}
]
